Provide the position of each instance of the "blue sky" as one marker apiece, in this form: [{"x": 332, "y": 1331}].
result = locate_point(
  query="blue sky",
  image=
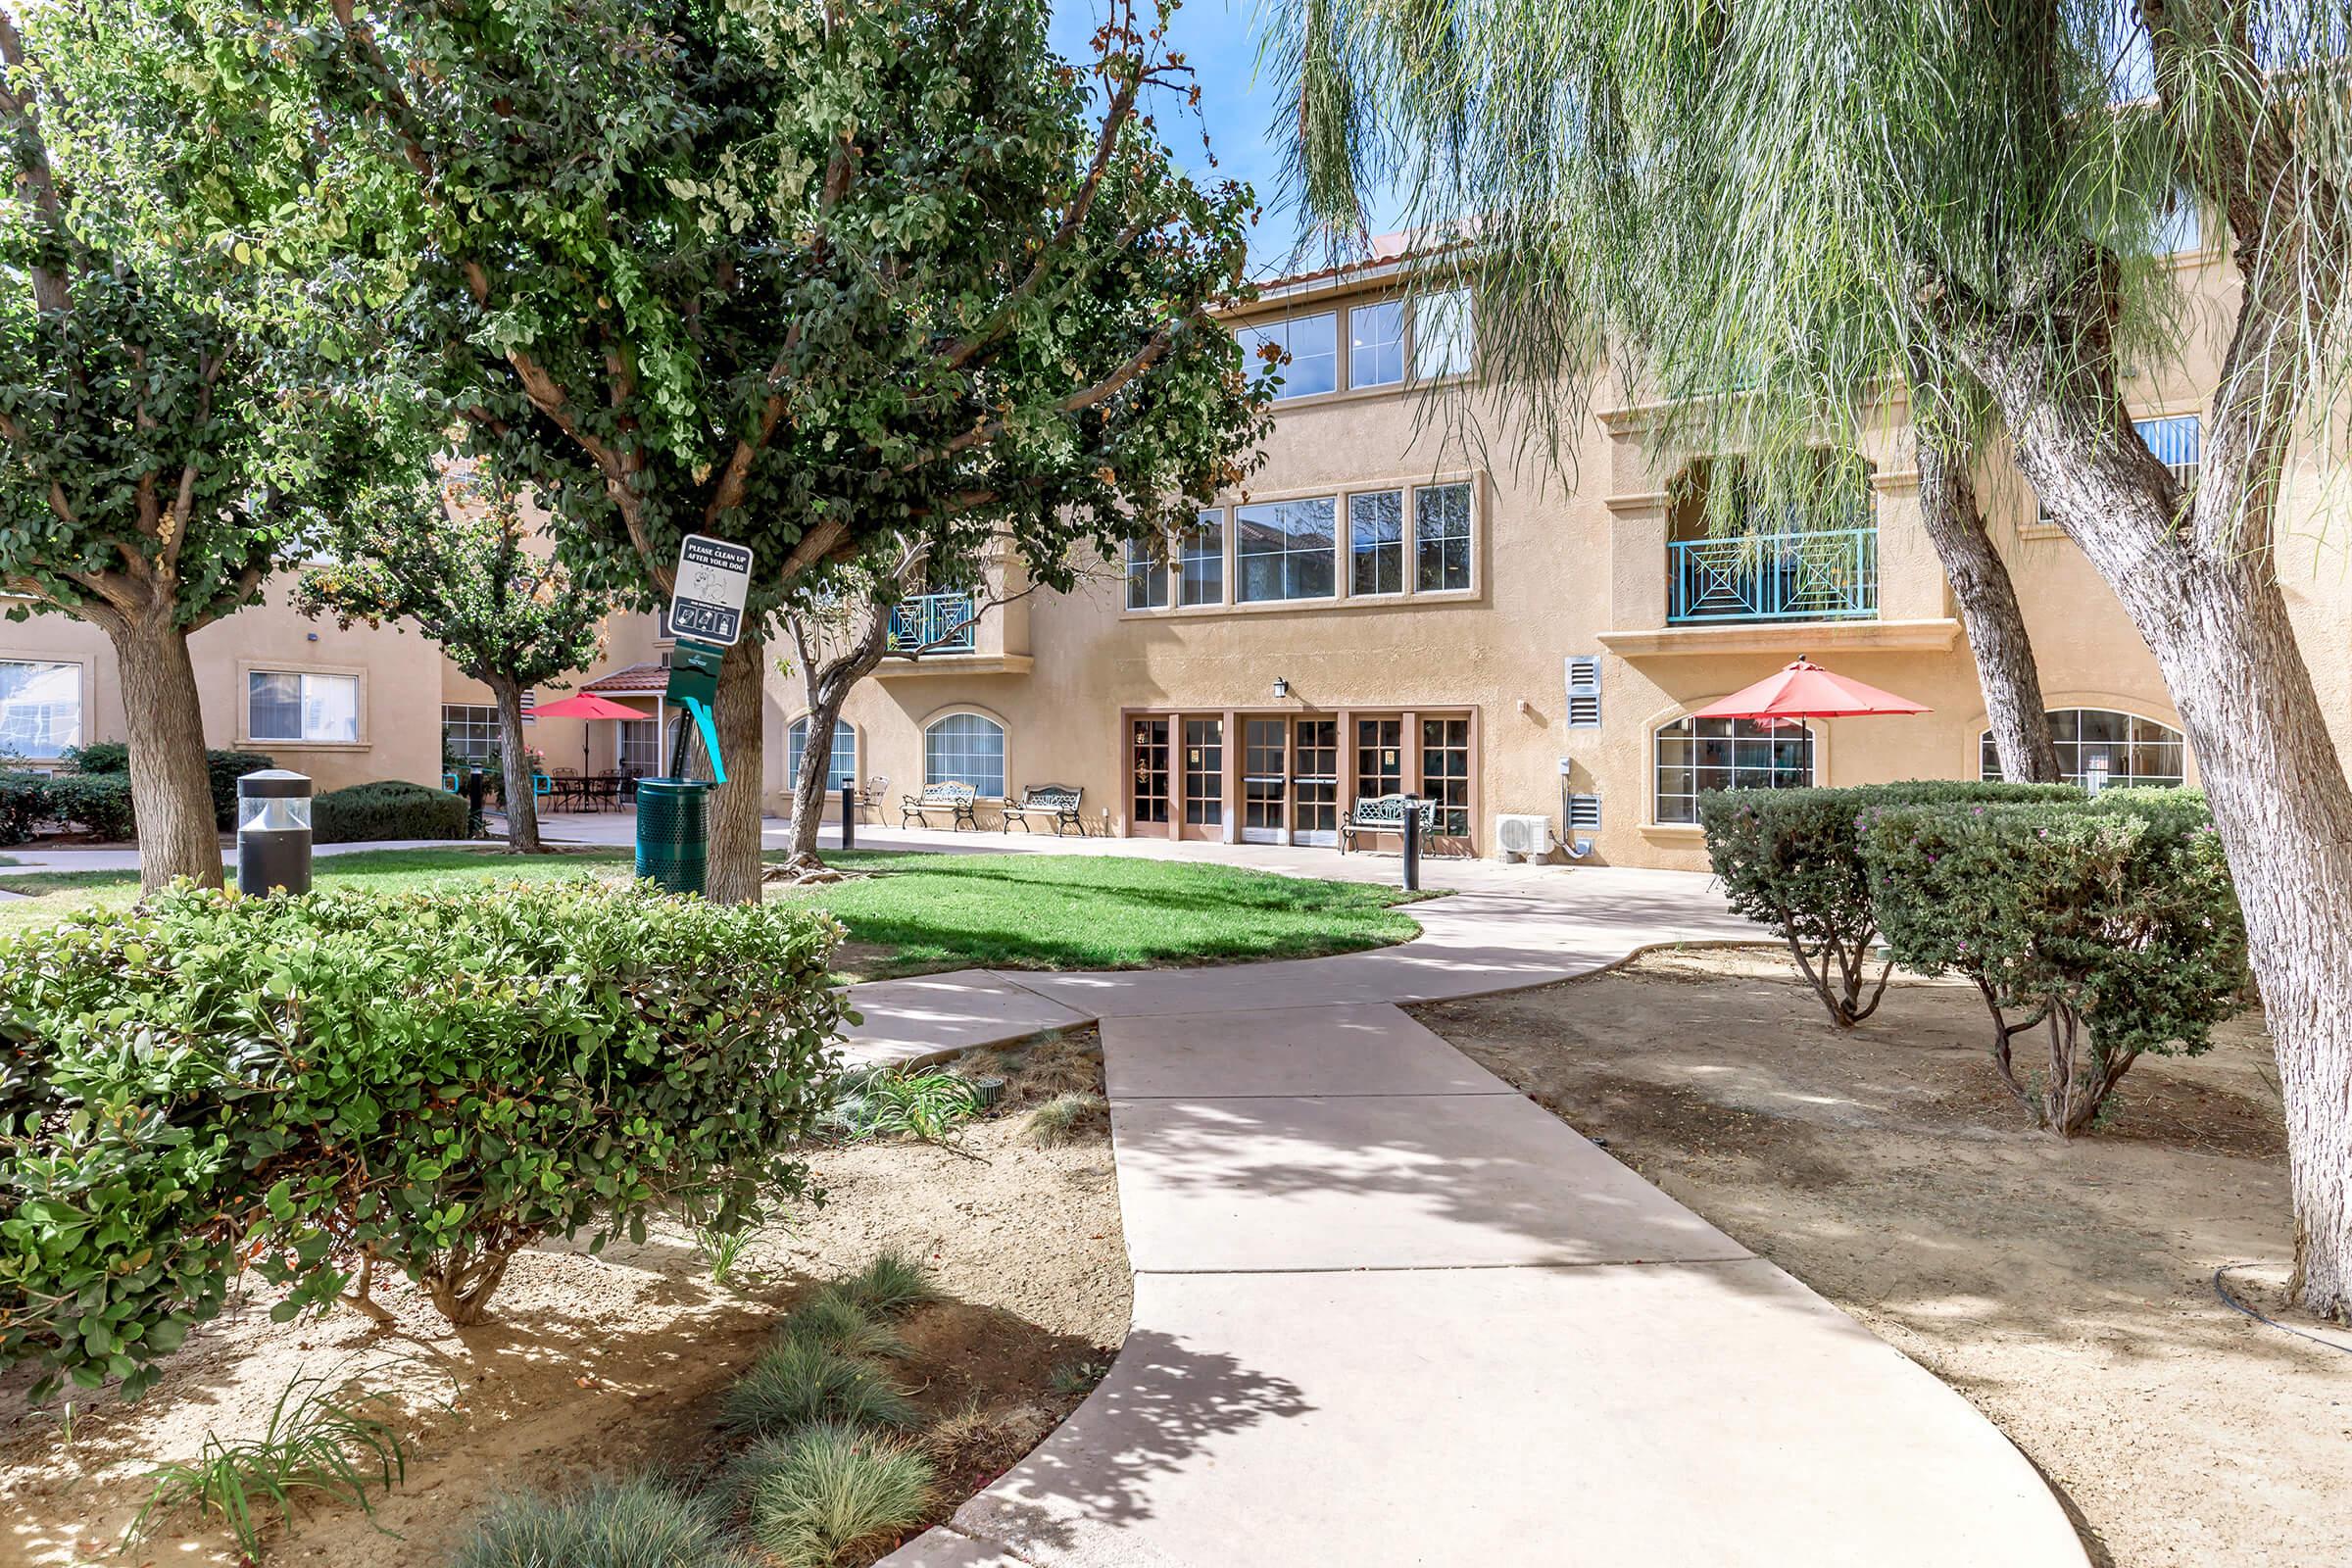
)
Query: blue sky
[{"x": 1219, "y": 38}]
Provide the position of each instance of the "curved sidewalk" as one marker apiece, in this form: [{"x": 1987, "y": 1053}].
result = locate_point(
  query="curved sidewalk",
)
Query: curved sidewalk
[{"x": 1390, "y": 1311}]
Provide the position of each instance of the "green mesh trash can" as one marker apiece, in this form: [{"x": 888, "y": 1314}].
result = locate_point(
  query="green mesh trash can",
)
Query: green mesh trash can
[{"x": 674, "y": 838}]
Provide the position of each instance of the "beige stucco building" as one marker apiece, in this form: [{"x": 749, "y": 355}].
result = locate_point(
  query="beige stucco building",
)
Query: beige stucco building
[{"x": 1384, "y": 609}]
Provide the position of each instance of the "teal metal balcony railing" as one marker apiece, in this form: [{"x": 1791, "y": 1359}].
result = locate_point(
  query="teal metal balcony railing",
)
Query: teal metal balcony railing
[
  {"x": 1828, "y": 576},
  {"x": 934, "y": 623}
]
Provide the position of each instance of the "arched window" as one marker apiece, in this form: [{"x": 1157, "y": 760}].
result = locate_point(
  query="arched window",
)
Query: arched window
[
  {"x": 2127, "y": 747},
  {"x": 842, "y": 764},
  {"x": 965, "y": 749},
  {"x": 1698, "y": 755}
]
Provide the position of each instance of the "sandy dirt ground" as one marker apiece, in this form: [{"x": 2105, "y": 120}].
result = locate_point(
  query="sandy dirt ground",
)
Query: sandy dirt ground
[
  {"x": 601, "y": 1365},
  {"x": 2066, "y": 1288}
]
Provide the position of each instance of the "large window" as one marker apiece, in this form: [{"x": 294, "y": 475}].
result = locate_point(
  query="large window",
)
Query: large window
[
  {"x": 1376, "y": 542},
  {"x": 1443, "y": 341},
  {"x": 320, "y": 710},
  {"x": 640, "y": 746},
  {"x": 468, "y": 731},
  {"x": 2123, "y": 748},
  {"x": 1376, "y": 344},
  {"x": 2177, "y": 442},
  {"x": 1147, "y": 576},
  {"x": 1440, "y": 538},
  {"x": 841, "y": 769},
  {"x": 1285, "y": 549},
  {"x": 1312, "y": 343},
  {"x": 1698, "y": 755},
  {"x": 1201, "y": 566},
  {"x": 965, "y": 749},
  {"x": 41, "y": 710}
]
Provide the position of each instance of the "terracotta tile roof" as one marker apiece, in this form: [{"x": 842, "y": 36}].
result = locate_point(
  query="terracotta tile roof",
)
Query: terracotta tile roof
[{"x": 649, "y": 677}]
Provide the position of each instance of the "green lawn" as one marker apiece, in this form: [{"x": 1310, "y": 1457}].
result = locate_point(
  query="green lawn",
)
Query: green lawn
[{"x": 917, "y": 911}]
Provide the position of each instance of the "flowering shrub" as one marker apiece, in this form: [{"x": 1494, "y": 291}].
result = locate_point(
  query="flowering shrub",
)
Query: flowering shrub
[
  {"x": 2110, "y": 923},
  {"x": 323, "y": 1085},
  {"x": 1788, "y": 859}
]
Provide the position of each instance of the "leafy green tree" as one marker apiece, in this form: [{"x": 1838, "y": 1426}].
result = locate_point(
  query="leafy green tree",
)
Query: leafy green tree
[
  {"x": 800, "y": 276},
  {"x": 463, "y": 566},
  {"x": 1817, "y": 200},
  {"x": 175, "y": 408}
]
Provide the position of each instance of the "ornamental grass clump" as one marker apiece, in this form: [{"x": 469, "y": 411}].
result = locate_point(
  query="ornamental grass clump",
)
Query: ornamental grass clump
[
  {"x": 343, "y": 1082},
  {"x": 1790, "y": 859},
  {"x": 832, "y": 1490},
  {"x": 2109, "y": 924},
  {"x": 799, "y": 1381},
  {"x": 635, "y": 1523}
]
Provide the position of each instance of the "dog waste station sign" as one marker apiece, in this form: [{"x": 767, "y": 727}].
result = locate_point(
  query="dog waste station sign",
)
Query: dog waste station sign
[{"x": 714, "y": 579}]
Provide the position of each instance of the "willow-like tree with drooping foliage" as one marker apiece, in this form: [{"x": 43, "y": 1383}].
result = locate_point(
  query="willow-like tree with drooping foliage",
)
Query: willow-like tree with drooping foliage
[
  {"x": 178, "y": 403},
  {"x": 803, "y": 275},
  {"x": 459, "y": 561},
  {"x": 1817, "y": 200}
]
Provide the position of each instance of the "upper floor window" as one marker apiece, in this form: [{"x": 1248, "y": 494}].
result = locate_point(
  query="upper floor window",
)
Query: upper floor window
[
  {"x": 41, "y": 710},
  {"x": 841, "y": 766},
  {"x": 1440, "y": 538},
  {"x": 1201, "y": 568},
  {"x": 965, "y": 749},
  {"x": 2177, "y": 227},
  {"x": 2178, "y": 442},
  {"x": 2117, "y": 748},
  {"x": 285, "y": 706},
  {"x": 1376, "y": 542},
  {"x": 1286, "y": 549},
  {"x": 1376, "y": 344},
  {"x": 1696, "y": 756},
  {"x": 1312, "y": 343},
  {"x": 1443, "y": 339},
  {"x": 1147, "y": 576}
]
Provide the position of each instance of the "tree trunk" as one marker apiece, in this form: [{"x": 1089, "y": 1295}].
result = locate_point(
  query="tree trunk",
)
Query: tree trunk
[
  {"x": 170, "y": 788},
  {"x": 829, "y": 685},
  {"x": 737, "y": 711},
  {"x": 1988, "y": 614},
  {"x": 522, "y": 805},
  {"x": 2202, "y": 593}
]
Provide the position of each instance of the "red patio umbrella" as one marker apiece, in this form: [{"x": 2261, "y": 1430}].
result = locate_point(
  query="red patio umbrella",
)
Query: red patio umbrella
[
  {"x": 1805, "y": 690},
  {"x": 587, "y": 706}
]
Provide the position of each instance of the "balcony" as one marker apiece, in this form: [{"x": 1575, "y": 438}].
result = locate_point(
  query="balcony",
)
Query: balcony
[
  {"x": 940, "y": 635},
  {"x": 1751, "y": 579},
  {"x": 934, "y": 623}
]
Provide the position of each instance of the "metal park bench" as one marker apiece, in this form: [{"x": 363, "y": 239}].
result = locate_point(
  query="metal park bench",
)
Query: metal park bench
[
  {"x": 1056, "y": 802},
  {"x": 958, "y": 799},
  {"x": 1384, "y": 813}
]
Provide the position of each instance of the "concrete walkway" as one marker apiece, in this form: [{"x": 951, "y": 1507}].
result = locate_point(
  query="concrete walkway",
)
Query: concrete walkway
[{"x": 1390, "y": 1311}]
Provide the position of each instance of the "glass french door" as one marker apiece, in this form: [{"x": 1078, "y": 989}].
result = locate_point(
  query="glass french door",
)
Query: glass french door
[
  {"x": 1204, "y": 778},
  {"x": 1315, "y": 783},
  {"x": 1149, "y": 760},
  {"x": 1265, "y": 780}
]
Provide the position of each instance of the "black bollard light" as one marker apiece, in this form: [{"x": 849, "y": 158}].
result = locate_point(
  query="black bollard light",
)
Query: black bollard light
[
  {"x": 849, "y": 817},
  {"x": 1413, "y": 844},
  {"x": 273, "y": 833},
  {"x": 475, "y": 787}
]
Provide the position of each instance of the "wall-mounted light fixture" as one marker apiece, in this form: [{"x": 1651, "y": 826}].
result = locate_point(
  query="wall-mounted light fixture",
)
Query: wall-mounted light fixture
[{"x": 1282, "y": 688}]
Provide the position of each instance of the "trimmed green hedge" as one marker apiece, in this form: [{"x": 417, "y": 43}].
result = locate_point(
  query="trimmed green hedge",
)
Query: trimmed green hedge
[
  {"x": 1790, "y": 859},
  {"x": 325, "y": 1085},
  {"x": 99, "y": 802},
  {"x": 390, "y": 808},
  {"x": 223, "y": 768},
  {"x": 2109, "y": 923},
  {"x": 24, "y": 804}
]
